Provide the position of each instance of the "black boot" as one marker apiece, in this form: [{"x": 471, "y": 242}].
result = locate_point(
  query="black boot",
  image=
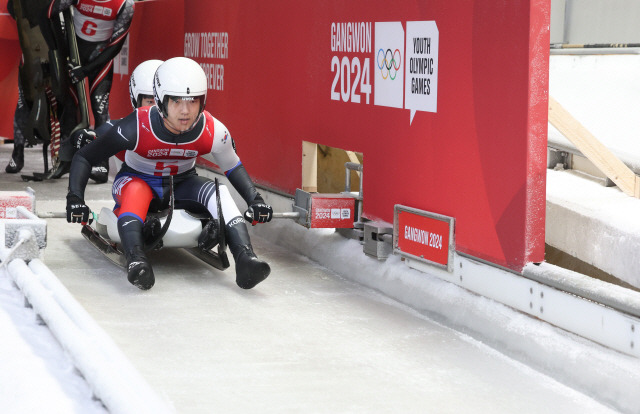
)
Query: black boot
[
  {"x": 100, "y": 172},
  {"x": 17, "y": 159},
  {"x": 249, "y": 269},
  {"x": 209, "y": 237},
  {"x": 139, "y": 271}
]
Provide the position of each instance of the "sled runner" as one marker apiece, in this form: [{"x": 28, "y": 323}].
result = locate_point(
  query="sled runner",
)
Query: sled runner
[
  {"x": 72, "y": 59},
  {"x": 170, "y": 228}
]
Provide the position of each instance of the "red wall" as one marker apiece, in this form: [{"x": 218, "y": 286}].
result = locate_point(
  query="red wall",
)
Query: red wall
[
  {"x": 480, "y": 158},
  {"x": 9, "y": 60}
]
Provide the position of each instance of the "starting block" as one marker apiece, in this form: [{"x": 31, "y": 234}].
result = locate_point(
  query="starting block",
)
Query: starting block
[
  {"x": 10, "y": 200},
  {"x": 22, "y": 233}
]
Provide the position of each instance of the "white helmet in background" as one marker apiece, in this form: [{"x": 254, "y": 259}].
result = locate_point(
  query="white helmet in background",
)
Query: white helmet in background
[
  {"x": 141, "y": 81},
  {"x": 179, "y": 77}
]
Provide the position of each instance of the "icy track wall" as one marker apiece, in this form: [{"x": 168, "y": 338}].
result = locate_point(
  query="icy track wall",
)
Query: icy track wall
[{"x": 447, "y": 101}]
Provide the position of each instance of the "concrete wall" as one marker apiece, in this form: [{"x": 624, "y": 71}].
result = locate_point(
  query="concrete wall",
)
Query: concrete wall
[{"x": 595, "y": 21}]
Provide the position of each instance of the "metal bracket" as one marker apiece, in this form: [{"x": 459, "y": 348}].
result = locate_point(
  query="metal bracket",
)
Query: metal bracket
[{"x": 378, "y": 239}]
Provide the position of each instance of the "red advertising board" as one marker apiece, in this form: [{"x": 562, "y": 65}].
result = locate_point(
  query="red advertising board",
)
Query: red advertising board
[
  {"x": 332, "y": 211},
  {"x": 425, "y": 236},
  {"x": 445, "y": 99}
]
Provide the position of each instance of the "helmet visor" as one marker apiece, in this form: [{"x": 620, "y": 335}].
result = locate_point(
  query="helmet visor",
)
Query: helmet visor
[{"x": 185, "y": 99}]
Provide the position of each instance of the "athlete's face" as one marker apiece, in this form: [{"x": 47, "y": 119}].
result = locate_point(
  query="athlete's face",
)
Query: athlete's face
[
  {"x": 181, "y": 113},
  {"x": 147, "y": 100}
]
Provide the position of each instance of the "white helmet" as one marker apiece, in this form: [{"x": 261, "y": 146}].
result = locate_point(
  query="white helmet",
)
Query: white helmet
[
  {"x": 141, "y": 81},
  {"x": 179, "y": 77}
]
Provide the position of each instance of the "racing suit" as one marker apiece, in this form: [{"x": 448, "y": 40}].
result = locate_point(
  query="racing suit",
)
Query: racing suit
[{"x": 153, "y": 154}]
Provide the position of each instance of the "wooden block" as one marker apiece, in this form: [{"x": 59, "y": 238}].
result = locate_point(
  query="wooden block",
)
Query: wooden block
[
  {"x": 593, "y": 149},
  {"x": 309, "y": 167}
]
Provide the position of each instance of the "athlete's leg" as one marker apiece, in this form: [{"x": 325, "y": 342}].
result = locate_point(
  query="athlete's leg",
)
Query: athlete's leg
[
  {"x": 100, "y": 88},
  {"x": 132, "y": 196},
  {"x": 20, "y": 118},
  {"x": 201, "y": 192},
  {"x": 198, "y": 193}
]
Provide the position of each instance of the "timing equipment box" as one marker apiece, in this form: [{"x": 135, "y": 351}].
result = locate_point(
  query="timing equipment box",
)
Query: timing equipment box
[{"x": 10, "y": 200}]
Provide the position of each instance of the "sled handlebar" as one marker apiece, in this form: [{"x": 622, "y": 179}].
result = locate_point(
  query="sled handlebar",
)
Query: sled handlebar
[
  {"x": 285, "y": 215},
  {"x": 62, "y": 214}
]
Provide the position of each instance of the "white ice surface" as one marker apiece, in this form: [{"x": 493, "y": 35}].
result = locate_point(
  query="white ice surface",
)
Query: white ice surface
[
  {"x": 306, "y": 340},
  {"x": 326, "y": 336}
]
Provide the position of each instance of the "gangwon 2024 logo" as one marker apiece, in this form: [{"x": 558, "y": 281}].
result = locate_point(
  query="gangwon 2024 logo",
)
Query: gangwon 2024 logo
[{"x": 405, "y": 74}]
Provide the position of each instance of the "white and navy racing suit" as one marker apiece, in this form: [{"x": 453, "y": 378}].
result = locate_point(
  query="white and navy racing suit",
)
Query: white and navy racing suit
[{"x": 153, "y": 154}]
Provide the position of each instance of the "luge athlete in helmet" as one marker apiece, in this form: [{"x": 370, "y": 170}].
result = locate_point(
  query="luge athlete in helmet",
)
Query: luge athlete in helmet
[
  {"x": 161, "y": 141},
  {"x": 141, "y": 94}
]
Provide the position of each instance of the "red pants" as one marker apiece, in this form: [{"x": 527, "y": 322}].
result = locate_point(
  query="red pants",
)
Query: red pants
[{"x": 132, "y": 196}]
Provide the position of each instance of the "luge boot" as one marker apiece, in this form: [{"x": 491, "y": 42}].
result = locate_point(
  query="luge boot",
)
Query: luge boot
[
  {"x": 209, "y": 237},
  {"x": 17, "y": 159},
  {"x": 249, "y": 269},
  {"x": 59, "y": 169},
  {"x": 139, "y": 271}
]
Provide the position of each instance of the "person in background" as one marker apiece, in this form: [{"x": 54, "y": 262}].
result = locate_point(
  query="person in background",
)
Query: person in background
[
  {"x": 20, "y": 120},
  {"x": 141, "y": 94},
  {"x": 101, "y": 29}
]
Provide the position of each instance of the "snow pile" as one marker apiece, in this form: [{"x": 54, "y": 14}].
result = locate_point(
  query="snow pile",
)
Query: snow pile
[
  {"x": 36, "y": 375},
  {"x": 106, "y": 369},
  {"x": 598, "y": 225}
]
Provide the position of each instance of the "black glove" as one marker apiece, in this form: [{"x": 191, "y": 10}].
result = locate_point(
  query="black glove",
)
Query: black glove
[
  {"x": 76, "y": 74},
  {"x": 258, "y": 212},
  {"x": 77, "y": 210},
  {"x": 82, "y": 137}
]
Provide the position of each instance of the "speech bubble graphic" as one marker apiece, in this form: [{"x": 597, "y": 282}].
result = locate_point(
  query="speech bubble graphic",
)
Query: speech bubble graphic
[{"x": 421, "y": 67}]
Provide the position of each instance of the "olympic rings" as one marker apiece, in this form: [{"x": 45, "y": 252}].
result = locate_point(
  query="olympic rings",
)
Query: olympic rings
[{"x": 388, "y": 63}]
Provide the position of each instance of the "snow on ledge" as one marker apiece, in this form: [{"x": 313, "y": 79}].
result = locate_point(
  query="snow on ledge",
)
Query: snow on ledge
[{"x": 107, "y": 371}]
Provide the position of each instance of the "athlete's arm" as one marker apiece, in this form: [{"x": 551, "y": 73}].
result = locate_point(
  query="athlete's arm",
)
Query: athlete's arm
[
  {"x": 123, "y": 136},
  {"x": 224, "y": 154},
  {"x": 120, "y": 31},
  {"x": 102, "y": 129}
]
